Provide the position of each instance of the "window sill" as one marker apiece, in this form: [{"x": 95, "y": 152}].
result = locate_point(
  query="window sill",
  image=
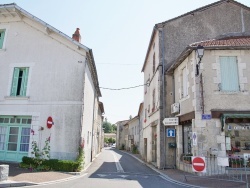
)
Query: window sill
[
  {"x": 231, "y": 92},
  {"x": 17, "y": 98},
  {"x": 2, "y": 49}
]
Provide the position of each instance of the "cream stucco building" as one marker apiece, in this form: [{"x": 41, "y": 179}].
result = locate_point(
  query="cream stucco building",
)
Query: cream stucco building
[{"x": 49, "y": 89}]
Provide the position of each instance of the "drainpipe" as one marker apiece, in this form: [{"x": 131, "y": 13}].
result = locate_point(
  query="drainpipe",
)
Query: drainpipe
[{"x": 84, "y": 70}]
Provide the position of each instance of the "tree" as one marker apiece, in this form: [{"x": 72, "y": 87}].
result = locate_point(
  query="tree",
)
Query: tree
[
  {"x": 107, "y": 127},
  {"x": 114, "y": 128}
]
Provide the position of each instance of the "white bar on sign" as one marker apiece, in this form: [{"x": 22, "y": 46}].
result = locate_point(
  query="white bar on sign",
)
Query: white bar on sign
[{"x": 198, "y": 164}]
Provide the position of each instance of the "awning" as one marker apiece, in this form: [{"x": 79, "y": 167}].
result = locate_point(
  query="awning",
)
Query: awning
[{"x": 224, "y": 118}]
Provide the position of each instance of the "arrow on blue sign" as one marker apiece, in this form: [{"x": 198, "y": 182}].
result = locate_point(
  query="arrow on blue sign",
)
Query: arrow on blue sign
[{"x": 170, "y": 132}]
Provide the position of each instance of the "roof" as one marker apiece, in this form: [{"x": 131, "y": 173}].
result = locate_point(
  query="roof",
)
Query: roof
[
  {"x": 140, "y": 108},
  {"x": 234, "y": 41},
  {"x": 158, "y": 26},
  {"x": 13, "y": 11}
]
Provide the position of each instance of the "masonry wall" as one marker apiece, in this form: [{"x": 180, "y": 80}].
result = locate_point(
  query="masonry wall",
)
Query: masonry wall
[{"x": 203, "y": 25}]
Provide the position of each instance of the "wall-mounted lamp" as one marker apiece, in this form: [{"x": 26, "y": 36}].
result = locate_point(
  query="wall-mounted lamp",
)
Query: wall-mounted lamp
[{"x": 200, "y": 53}]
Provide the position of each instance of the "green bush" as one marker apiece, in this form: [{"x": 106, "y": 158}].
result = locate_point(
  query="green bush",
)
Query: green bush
[
  {"x": 135, "y": 149},
  {"x": 51, "y": 164}
]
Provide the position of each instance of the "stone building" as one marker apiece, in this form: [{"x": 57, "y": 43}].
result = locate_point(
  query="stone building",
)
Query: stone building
[
  {"x": 167, "y": 41},
  {"x": 213, "y": 97}
]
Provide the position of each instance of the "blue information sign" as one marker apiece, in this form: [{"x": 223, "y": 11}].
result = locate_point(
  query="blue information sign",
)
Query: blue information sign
[
  {"x": 170, "y": 132},
  {"x": 206, "y": 116}
]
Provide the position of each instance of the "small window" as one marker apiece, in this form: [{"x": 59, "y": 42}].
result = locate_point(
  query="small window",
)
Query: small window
[
  {"x": 19, "y": 82},
  {"x": 2, "y": 33},
  {"x": 184, "y": 80},
  {"x": 153, "y": 99},
  {"x": 153, "y": 63}
]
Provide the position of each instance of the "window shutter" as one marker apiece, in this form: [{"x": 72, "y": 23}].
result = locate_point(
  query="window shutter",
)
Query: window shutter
[
  {"x": 1, "y": 38},
  {"x": 229, "y": 74},
  {"x": 24, "y": 82},
  {"x": 184, "y": 81},
  {"x": 14, "y": 82}
]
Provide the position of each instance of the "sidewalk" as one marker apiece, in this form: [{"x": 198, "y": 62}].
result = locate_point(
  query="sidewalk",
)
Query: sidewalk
[
  {"x": 22, "y": 177},
  {"x": 184, "y": 178}
]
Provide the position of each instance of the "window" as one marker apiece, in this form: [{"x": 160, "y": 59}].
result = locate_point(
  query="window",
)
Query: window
[
  {"x": 184, "y": 80},
  {"x": 19, "y": 82},
  {"x": 25, "y": 139},
  {"x": 153, "y": 99},
  {"x": 153, "y": 63},
  {"x": 2, "y": 33},
  {"x": 187, "y": 138},
  {"x": 229, "y": 74}
]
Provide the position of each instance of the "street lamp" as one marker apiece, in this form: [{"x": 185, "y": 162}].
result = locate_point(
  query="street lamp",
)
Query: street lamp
[{"x": 200, "y": 53}]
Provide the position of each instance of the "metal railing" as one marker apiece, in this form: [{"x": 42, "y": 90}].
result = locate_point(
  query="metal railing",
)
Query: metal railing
[{"x": 238, "y": 169}]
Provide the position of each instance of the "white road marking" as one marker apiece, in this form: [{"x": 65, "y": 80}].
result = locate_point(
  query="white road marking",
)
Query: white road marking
[{"x": 117, "y": 163}]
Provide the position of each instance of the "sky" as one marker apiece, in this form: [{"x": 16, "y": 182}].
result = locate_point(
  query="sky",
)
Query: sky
[{"x": 118, "y": 32}]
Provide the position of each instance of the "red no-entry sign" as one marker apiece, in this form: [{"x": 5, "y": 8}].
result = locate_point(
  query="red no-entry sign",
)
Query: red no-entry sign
[
  {"x": 198, "y": 164},
  {"x": 49, "y": 122}
]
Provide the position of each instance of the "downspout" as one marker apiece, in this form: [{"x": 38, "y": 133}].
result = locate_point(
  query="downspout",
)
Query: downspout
[
  {"x": 81, "y": 126},
  {"x": 173, "y": 93},
  {"x": 163, "y": 96}
]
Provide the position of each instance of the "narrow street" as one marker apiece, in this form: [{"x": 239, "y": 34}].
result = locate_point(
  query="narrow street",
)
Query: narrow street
[{"x": 113, "y": 168}]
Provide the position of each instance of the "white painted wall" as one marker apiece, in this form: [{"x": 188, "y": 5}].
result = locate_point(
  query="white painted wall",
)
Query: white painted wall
[
  {"x": 151, "y": 116},
  {"x": 55, "y": 86}
]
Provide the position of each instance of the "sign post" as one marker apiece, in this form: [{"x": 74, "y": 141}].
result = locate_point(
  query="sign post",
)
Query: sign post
[{"x": 198, "y": 164}]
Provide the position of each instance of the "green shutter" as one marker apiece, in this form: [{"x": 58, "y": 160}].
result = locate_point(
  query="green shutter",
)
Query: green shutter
[
  {"x": 14, "y": 82},
  {"x": 229, "y": 74},
  {"x": 24, "y": 82},
  {"x": 2, "y": 32}
]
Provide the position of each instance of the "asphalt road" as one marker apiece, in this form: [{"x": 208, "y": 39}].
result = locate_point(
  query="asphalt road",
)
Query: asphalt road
[{"x": 112, "y": 169}]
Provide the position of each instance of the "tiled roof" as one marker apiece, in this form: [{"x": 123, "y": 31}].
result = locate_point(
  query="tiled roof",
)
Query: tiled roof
[{"x": 232, "y": 41}]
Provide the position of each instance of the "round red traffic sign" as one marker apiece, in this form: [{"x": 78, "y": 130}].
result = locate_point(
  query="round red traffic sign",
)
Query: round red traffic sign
[
  {"x": 199, "y": 164},
  {"x": 49, "y": 122}
]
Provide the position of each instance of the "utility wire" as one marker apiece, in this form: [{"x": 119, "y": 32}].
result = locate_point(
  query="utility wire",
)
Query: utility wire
[{"x": 124, "y": 87}]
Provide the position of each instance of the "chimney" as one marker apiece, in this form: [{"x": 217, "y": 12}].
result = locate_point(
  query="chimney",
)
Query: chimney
[{"x": 76, "y": 36}]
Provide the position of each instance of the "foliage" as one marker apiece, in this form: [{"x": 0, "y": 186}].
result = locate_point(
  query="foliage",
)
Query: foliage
[
  {"x": 114, "y": 127},
  {"x": 38, "y": 164},
  {"x": 51, "y": 164},
  {"x": 122, "y": 147},
  {"x": 111, "y": 140},
  {"x": 107, "y": 127},
  {"x": 106, "y": 140},
  {"x": 236, "y": 161},
  {"x": 135, "y": 149},
  {"x": 44, "y": 154}
]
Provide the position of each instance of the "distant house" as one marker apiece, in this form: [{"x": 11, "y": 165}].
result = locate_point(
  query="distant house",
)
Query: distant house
[
  {"x": 120, "y": 133},
  {"x": 49, "y": 89},
  {"x": 133, "y": 133},
  {"x": 213, "y": 97}
]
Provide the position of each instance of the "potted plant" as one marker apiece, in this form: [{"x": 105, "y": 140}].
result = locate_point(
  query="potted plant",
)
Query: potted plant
[{"x": 236, "y": 162}]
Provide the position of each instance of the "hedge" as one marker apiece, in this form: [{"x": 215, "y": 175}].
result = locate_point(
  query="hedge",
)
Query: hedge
[{"x": 51, "y": 164}]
